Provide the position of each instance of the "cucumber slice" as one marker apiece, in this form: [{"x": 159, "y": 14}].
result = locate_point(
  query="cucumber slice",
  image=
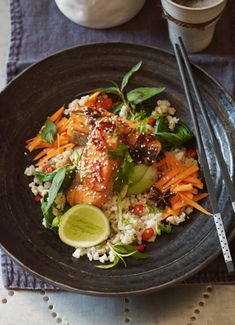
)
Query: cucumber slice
[
  {"x": 144, "y": 183},
  {"x": 137, "y": 174}
]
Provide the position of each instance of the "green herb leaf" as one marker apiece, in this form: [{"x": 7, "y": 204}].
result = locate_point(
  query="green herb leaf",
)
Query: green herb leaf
[
  {"x": 117, "y": 108},
  {"x": 143, "y": 125},
  {"x": 49, "y": 131},
  {"x": 69, "y": 176},
  {"x": 42, "y": 177},
  {"x": 119, "y": 152},
  {"x": 176, "y": 138},
  {"x": 107, "y": 90},
  {"x": 123, "y": 172},
  {"x": 121, "y": 196},
  {"x": 55, "y": 187},
  {"x": 139, "y": 255},
  {"x": 139, "y": 116},
  {"x": 129, "y": 74},
  {"x": 128, "y": 250},
  {"x": 55, "y": 222},
  {"x": 109, "y": 266},
  {"x": 47, "y": 213},
  {"x": 139, "y": 95}
]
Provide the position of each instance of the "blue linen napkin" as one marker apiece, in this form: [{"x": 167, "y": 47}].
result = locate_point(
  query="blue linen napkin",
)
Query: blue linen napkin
[{"x": 39, "y": 29}]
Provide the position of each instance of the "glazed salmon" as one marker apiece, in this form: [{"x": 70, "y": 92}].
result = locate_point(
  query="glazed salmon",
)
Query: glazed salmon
[{"x": 95, "y": 178}]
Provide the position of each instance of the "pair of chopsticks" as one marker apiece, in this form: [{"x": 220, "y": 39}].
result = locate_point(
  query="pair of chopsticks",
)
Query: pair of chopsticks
[{"x": 185, "y": 68}]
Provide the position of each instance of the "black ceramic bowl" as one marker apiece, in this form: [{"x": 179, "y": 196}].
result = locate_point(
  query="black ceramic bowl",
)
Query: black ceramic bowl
[{"x": 38, "y": 92}]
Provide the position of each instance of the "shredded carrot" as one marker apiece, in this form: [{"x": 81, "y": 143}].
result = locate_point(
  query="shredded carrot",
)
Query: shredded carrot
[
  {"x": 183, "y": 180},
  {"x": 171, "y": 161},
  {"x": 182, "y": 188},
  {"x": 194, "y": 204},
  {"x": 170, "y": 212},
  {"x": 92, "y": 98},
  {"x": 195, "y": 181},
  {"x": 166, "y": 177},
  {"x": 60, "y": 144},
  {"x": 200, "y": 197},
  {"x": 182, "y": 175},
  {"x": 159, "y": 163},
  {"x": 57, "y": 115}
]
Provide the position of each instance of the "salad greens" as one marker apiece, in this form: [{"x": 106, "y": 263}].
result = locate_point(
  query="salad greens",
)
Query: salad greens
[
  {"x": 139, "y": 95},
  {"x": 48, "y": 131},
  {"x": 55, "y": 187},
  {"x": 128, "y": 99},
  {"x": 176, "y": 138},
  {"x": 129, "y": 74},
  {"x": 61, "y": 180},
  {"x": 124, "y": 171},
  {"x": 122, "y": 251}
]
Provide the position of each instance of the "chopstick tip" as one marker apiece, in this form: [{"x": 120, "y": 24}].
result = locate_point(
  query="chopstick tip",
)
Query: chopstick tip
[{"x": 230, "y": 267}]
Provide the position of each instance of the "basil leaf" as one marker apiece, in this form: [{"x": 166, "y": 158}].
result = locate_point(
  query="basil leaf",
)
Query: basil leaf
[
  {"x": 55, "y": 187},
  {"x": 139, "y": 95},
  {"x": 117, "y": 108},
  {"x": 69, "y": 175},
  {"x": 47, "y": 213},
  {"x": 129, "y": 74},
  {"x": 128, "y": 250},
  {"x": 176, "y": 138},
  {"x": 49, "y": 131},
  {"x": 123, "y": 249},
  {"x": 110, "y": 266},
  {"x": 106, "y": 90},
  {"x": 119, "y": 152},
  {"x": 162, "y": 124},
  {"x": 42, "y": 177},
  {"x": 139, "y": 255},
  {"x": 123, "y": 172}
]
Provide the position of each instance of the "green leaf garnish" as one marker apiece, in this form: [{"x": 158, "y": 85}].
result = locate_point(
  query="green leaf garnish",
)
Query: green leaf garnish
[
  {"x": 129, "y": 74},
  {"x": 117, "y": 108},
  {"x": 110, "y": 266},
  {"x": 43, "y": 177},
  {"x": 47, "y": 213},
  {"x": 55, "y": 187},
  {"x": 176, "y": 138},
  {"x": 48, "y": 131},
  {"x": 124, "y": 171},
  {"x": 122, "y": 251},
  {"x": 119, "y": 152},
  {"x": 139, "y": 95}
]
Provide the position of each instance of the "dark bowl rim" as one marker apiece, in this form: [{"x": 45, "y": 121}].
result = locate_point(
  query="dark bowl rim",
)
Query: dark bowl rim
[{"x": 116, "y": 293}]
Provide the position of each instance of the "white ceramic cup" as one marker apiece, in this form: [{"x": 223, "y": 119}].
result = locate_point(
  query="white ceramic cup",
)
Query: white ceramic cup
[
  {"x": 100, "y": 13},
  {"x": 195, "y": 25}
]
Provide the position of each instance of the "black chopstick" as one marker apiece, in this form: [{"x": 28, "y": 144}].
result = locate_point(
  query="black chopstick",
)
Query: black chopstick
[
  {"x": 203, "y": 160},
  {"x": 214, "y": 141}
]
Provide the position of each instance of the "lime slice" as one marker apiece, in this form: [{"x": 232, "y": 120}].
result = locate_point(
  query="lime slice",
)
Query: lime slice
[{"x": 84, "y": 226}]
